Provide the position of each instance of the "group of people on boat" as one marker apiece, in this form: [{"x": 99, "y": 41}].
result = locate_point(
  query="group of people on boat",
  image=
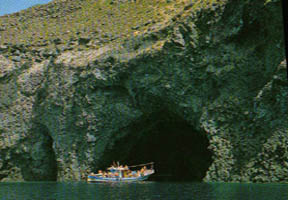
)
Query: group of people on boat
[{"x": 120, "y": 171}]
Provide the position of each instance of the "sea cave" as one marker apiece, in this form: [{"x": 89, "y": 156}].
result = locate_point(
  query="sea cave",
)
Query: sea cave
[{"x": 179, "y": 152}]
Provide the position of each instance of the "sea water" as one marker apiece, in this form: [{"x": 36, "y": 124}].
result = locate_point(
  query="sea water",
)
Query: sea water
[{"x": 142, "y": 190}]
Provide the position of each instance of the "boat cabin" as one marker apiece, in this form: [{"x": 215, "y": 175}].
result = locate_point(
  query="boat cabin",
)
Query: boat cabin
[{"x": 120, "y": 173}]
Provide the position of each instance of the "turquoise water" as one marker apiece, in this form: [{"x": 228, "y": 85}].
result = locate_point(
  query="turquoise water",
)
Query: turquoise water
[{"x": 144, "y": 190}]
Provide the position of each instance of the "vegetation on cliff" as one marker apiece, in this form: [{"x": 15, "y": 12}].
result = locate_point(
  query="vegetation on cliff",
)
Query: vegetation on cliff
[{"x": 102, "y": 21}]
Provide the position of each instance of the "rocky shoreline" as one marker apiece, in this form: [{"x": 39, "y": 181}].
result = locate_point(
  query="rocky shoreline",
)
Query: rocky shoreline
[{"x": 67, "y": 109}]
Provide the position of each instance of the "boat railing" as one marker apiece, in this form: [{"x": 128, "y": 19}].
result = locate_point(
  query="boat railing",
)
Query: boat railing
[{"x": 140, "y": 165}]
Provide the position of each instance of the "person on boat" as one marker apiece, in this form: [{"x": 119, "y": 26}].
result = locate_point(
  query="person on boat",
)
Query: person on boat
[
  {"x": 125, "y": 174},
  {"x": 138, "y": 173},
  {"x": 99, "y": 173},
  {"x": 126, "y": 167},
  {"x": 142, "y": 171},
  {"x": 129, "y": 174},
  {"x": 133, "y": 173}
]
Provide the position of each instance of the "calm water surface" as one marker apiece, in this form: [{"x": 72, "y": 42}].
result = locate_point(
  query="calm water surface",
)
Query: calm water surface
[{"x": 144, "y": 190}]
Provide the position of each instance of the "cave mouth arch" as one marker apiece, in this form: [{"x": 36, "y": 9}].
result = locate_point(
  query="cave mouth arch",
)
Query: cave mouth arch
[
  {"x": 41, "y": 163},
  {"x": 180, "y": 153}
]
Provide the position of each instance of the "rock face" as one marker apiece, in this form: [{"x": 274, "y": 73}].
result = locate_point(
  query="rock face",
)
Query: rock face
[{"x": 213, "y": 74}]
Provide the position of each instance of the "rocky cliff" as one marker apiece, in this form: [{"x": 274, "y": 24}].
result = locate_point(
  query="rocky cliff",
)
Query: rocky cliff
[{"x": 199, "y": 87}]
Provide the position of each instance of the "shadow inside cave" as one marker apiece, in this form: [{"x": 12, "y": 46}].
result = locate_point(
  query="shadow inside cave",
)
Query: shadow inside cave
[
  {"x": 179, "y": 152},
  {"x": 41, "y": 164}
]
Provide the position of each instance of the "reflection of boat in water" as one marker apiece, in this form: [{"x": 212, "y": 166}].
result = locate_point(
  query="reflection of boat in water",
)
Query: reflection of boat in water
[{"x": 118, "y": 173}]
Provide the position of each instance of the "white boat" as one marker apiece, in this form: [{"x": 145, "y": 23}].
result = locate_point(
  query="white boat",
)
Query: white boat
[{"x": 122, "y": 174}]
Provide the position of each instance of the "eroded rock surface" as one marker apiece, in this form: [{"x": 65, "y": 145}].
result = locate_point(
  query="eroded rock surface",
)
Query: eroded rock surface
[{"x": 217, "y": 67}]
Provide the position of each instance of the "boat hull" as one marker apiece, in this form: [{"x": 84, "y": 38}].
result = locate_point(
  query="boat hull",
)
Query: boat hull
[{"x": 92, "y": 178}]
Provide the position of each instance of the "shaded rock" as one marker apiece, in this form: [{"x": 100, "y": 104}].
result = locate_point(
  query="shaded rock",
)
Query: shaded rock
[
  {"x": 149, "y": 22},
  {"x": 47, "y": 53},
  {"x": 135, "y": 27},
  {"x": 83, "y": 41},
  {"x": 16, "y": 58},
  {"x": 57, "y": 41},
  {"x": 17, "y": 53},
  {"x": 91, "y": 138}
]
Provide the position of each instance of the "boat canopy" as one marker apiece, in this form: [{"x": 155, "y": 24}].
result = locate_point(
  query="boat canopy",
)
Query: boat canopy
[{"x": 121, "y": 168}]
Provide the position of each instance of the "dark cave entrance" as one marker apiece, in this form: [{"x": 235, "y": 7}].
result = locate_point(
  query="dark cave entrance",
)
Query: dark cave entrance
[
  {"x": 41, "y": 165},
  {"x": 179, "y": 152},
  {"x": 49, "y": 159}
]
